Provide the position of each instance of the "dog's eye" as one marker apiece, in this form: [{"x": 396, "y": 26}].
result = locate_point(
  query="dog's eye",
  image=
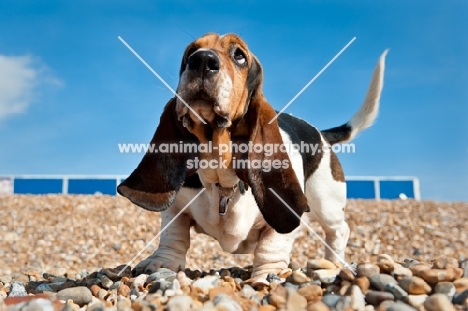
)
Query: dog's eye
[{"x": 239, "y": 57}]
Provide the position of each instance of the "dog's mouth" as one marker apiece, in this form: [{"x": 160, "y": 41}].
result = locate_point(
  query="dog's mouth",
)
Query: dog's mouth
[
  {"x": 203, "y": 106},
  {"x": 202, "y": 98}
]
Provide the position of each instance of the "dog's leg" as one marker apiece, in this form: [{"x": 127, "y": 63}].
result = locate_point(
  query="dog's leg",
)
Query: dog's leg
[
  {"x": 173, "y": 246},
  {"x": 330, "y": 215},
  {"x": 326, "y": 197},
  {"x": 272, "y": 253}
]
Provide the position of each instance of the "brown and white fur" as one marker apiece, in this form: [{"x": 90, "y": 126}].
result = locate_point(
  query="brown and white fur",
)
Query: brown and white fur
[{"x": 221, "y": 80}]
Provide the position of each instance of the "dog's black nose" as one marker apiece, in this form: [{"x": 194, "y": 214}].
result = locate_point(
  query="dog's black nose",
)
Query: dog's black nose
[{"x": 204, "y": 61}]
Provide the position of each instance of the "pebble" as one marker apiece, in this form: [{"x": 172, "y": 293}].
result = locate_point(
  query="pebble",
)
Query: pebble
[
  {"x": 331, "y": 300},
  {"x": 445, "y": 288},
  {"x": 357, "y": 298},
  {"x": 278, "y": 297},
  {"x": 416, "y": 301},
  {"x": 160, "y": 284},
  {"x": 59, "y": 279},
  {"x": 272, "y": 278},
  {"x": 206, "y": 283},
  {"x": 345, "y": 287},
  {"x": 396, "y": 290},
  {"x": 123, "y": 303},
  {"x": 123, "y": 290},
  {"x": 195, "y": 274},
  {"x": 179, "y": 303},
  {"x": 286, "y": 273},
  {"x": 93, "y": 281},
  {"x": 295, "y": 301},
  {"x": 115, "y": 274},
  {"x": 294, "y": 266},
  {"x": 58, "y": 286},
  {"x": 419, "y": 267},
  {"x": 102, "y": 294},
  {"x": 105, "y": 281},
  {"x": 17, "y": 290},
  {"x": 175, "y": 285},
  {"x": 115, "y": 285},
  {"x": 376, "y": 297},
  {"x": 379, "y": 281},
  {"x": 162, "y": 273},
  {"x": 344, "y": 303},
  {"x": 291, "y": 285},
  {"x": 111, "y": 297},
  {"x": 247, "y": 291},
  {"x": 367, "y": 270},
  {"x": 385, "y": 263},
  {"x": 414, "y": 285},
  {"x": 326, "y": 276},
  {"x": 363, "y": 283},
  {"x": 407, "y": 262},
  {"x": 317, "y": 264},
  {"x": 278, "y": 290},
  {"x": 226, "y": 303},
  {"x": 396, "y": 306},
  {"x": 346, "y": 275},
  {"x": 401, "y": 272},
  {"x": 183, "y": 279},
  {"x": 298, "y": 277},
  {"x": 465, "y": 271},
  {"x": 461, "y": 284},
  {"x": 318, "y": 306},
  {"x": 437, "y": 275},
  {"x": 310, "y": 292},
  {"x": 460, "y": 298},
  {"x": 444, "y": 263},
  {"x": 98, "y": 306},
  {"x": 458, "y": 273},
  {"x": 80, "y": 295},
  {"x": 44, "y": 288},
  {"x": 215, "y": 291},
  {"x": 438, "y": 302},
  {"x": 94, "y": 290},
  {"x": 134, "y": 294},
  {"x": 144, "y": 305}
]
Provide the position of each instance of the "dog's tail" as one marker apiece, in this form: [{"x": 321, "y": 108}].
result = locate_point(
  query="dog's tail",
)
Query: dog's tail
[{"x": 366, "y": 114}]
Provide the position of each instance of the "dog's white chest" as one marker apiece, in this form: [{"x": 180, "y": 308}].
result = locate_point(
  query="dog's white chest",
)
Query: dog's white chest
[{"x": 241, "y": 223}]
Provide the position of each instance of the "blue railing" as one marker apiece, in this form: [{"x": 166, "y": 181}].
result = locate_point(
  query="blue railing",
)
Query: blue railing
[{"x": 359, "y": 187}]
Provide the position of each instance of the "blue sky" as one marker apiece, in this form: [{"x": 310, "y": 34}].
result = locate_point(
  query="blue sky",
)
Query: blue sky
[{"x": 70, "y": 91}]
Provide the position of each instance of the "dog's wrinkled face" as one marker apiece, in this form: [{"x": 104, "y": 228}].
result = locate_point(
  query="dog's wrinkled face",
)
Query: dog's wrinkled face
[{"x": 217, "y": 77}]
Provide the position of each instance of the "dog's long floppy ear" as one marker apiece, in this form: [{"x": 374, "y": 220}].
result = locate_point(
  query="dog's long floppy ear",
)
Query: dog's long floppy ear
[
  {"x": 261, "y": 176},
  {"x": 154, "y": 184}
]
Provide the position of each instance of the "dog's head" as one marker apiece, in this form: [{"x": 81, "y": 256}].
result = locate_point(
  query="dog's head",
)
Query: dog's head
[
  {"x": 218, "y": 77},
  {"x": 221, "y": 100}
]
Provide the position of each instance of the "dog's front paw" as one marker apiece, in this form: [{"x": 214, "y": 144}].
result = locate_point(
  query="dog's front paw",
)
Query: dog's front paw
[{"x": 159, "y": 260}]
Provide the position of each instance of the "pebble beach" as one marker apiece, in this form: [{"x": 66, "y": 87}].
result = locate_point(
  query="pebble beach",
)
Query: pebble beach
[{"x": 65, "y": 253}]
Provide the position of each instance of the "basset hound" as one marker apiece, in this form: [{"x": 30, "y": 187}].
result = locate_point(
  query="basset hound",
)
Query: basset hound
[{"x": 244, "y": 205}]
